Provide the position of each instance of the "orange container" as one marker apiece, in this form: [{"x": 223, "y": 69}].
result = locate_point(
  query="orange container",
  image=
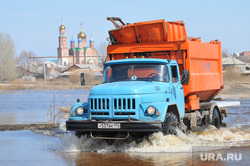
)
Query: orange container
[{"x": 168, "y": 40}]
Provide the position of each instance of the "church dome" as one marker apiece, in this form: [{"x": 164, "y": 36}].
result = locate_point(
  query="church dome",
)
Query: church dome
[
  {"x": 72, "y": 41},
  {"x": 91, "y": 40},
  {"x": 79, "y": 39},
  {"x": 62, "y": 27},
  {"x": 81, "y": 35}
]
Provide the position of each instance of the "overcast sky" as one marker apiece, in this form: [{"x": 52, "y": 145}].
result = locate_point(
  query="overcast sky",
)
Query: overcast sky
[{"x": 34, "y": 24}]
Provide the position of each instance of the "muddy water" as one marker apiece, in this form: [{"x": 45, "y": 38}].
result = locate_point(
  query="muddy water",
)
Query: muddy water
[
  {"x": 158, "y": 149},
  {"x": 63, "y": 148}
]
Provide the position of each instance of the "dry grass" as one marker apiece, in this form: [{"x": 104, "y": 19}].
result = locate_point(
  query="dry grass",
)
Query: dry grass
[
  {"x": 13, "y": 87},
  {"x": 58, "y": 81},
  {"x": 64, "y": 112},
  {"x": 17, "y": 84},
  {"x": 231, "y": 75},
  {"x": 91, "y": 80},
  {"x": 71, "y": 82},
  {"x": 75, "y": 79}
]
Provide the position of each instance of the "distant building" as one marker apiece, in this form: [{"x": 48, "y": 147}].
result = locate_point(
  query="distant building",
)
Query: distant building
[
  {"x": 90, "y": 73},
  {"x": 90, "y": 67},
  {"x": 248, "y": 66},
  {"x": 245, "y": 53},
  {"x": 51, "y": 63},
  {"x": 75, "y": 55}
]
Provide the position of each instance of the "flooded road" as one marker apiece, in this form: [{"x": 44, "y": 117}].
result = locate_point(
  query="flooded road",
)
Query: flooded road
[{"x": 63, "y": 148}]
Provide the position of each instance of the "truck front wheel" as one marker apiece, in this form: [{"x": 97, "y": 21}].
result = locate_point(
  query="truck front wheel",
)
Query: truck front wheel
[
  {"x": 216, "y": 118},
  {"x": 169, "y": 126}
]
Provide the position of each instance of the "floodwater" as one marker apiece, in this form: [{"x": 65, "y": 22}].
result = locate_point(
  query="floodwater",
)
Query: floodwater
[
  {"x": 31, "y": 106},
  {"x": 226, "y": 146}
]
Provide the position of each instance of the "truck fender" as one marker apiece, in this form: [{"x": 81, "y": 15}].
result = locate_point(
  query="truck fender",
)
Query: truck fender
[{"x": 174, "y": 110}]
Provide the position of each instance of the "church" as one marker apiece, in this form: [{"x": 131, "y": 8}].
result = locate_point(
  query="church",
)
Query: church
[{"x": 75, "y": 55}]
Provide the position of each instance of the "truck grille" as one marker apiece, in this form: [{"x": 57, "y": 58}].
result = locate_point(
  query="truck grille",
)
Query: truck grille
[
  {"x": 124, "y": 104},
  {"x": 99, "y": 104},
  {"x": 119, "y": 106}
]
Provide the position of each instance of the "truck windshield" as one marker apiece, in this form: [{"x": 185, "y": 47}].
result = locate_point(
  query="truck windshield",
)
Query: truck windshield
[{"x": 136, "y": 72}]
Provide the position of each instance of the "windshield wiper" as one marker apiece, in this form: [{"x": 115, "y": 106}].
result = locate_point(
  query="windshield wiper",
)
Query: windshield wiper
[
  {"x": 123, "y": 79},
  {"x": 149, "y": 80}
]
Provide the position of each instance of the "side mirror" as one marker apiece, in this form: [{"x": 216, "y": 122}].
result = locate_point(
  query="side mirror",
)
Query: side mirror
[{"x": 185, "y": 77}]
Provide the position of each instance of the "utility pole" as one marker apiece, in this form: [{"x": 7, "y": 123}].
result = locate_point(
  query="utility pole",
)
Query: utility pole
[
  {"x": 28, "y": 70},
  {"x": 44, "y": 72}
]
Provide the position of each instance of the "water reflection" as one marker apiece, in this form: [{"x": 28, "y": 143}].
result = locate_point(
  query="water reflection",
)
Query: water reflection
[
  {"x": 156, "y": 159},
  {"x": 117, "y": 158}
]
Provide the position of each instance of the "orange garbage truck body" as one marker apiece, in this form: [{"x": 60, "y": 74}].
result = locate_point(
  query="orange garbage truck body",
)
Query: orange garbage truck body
[{"x": 168, "y": 40}]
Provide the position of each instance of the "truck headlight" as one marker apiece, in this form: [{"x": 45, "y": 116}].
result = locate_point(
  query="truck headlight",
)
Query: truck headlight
[
  {"x": 151, "y": 110},
  {"x": 79, "y": 111}
]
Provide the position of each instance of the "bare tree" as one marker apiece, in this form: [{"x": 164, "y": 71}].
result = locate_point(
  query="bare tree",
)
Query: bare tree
[
  {"x": 7, "y": 58},
  {"x": 103, "y": 51},
  {"x": 235, "y": 55},
  {"x": 23, "y": 58},
  {"x": 225, "y": 53}
]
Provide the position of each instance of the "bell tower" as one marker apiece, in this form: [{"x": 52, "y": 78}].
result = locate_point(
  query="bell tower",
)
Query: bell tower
[{"x": 62, "y": 50}]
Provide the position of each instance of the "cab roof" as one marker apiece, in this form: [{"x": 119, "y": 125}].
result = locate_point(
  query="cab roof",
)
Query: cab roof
[{"x": 140, "y": 60}]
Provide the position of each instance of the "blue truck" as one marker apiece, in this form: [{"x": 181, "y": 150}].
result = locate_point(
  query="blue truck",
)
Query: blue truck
[{"x": 130, "y": 102}]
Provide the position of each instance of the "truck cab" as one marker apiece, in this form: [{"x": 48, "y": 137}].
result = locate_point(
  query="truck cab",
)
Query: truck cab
[{"x": 137, "y": 95}]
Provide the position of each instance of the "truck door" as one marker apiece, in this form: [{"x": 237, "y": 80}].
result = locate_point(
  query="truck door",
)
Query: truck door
[{"x": 177, "y": 90}]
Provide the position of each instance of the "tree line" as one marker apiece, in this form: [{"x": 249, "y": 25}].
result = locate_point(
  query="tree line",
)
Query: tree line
[{"x": 8, "y": 60}]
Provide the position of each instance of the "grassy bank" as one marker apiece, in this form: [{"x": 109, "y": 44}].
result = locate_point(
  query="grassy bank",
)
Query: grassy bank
[{"x": 62, "y": 83}]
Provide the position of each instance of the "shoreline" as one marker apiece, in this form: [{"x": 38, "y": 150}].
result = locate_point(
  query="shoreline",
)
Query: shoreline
[
  {"x": 235, "y": 91},
  {"x": 14, "y": 127},
  {"x": 230, "y": 91}
]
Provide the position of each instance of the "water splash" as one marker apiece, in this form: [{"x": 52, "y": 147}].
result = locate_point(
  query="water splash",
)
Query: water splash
[{"x": 158, "y": 143}]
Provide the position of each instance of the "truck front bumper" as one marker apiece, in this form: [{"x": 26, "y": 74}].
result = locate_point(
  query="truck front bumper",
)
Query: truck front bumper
[{"x": 124, "y": 126}]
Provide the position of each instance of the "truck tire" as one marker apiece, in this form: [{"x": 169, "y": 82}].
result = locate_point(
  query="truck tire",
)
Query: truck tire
[
  {"x": 170, "y": 124},
  {"x": 216, "y": 118}
]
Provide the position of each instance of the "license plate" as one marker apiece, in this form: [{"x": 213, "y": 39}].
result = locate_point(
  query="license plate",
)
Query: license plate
[{"x": 109, "y": 125}]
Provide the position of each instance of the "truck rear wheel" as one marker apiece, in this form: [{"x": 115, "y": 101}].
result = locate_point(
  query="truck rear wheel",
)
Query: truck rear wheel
[
  {"x": 216, "y": 118},
  {"x": 169, "y": 126}
]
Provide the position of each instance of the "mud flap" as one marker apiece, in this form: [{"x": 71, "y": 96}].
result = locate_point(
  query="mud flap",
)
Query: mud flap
[{"x": 193, "y": 120}]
